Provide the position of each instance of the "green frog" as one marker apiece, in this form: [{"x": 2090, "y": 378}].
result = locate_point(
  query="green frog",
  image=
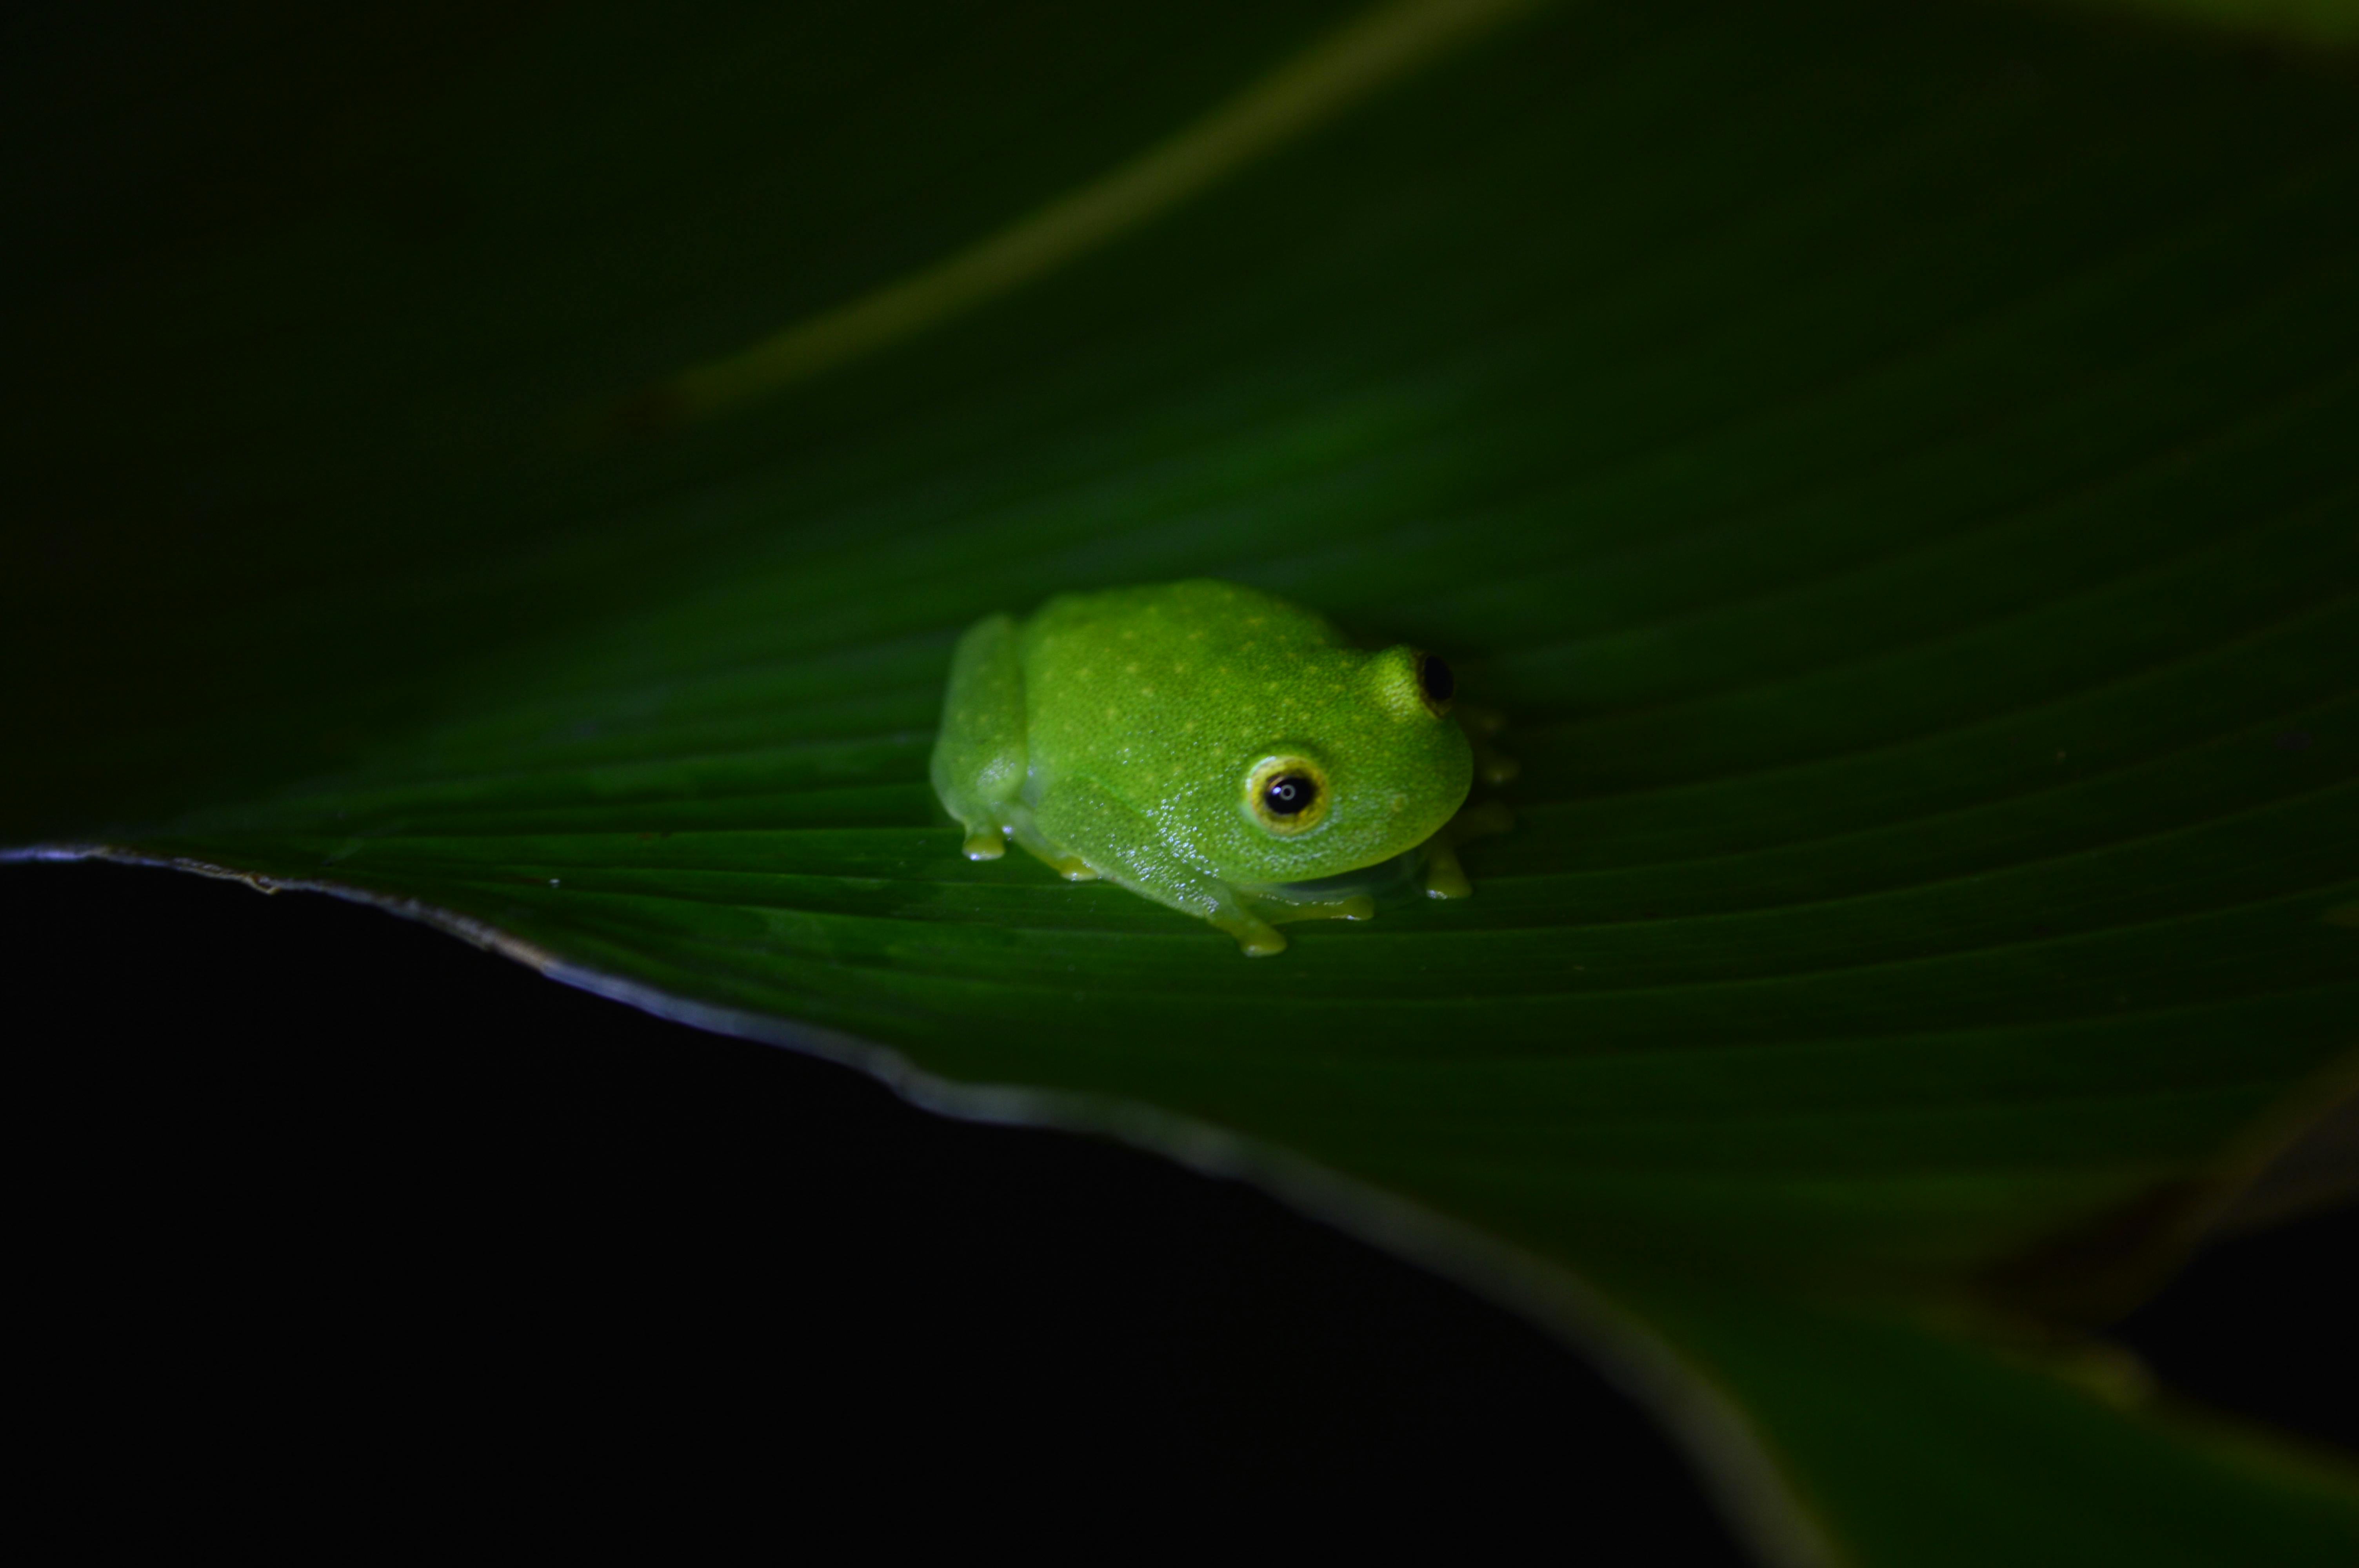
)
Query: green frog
[{"x": 1208, "y": 746}]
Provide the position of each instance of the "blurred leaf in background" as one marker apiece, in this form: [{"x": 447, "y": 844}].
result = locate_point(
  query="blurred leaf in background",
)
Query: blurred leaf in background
[{"x": 1891, "y": 465}]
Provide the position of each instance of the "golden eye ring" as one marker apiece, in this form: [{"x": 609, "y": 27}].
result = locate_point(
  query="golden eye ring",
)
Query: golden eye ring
[{"x": 1288, "y": 796}]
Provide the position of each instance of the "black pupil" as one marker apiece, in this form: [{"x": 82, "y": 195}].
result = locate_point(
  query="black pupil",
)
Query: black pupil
[
  {"x": 1289, "y": 794},
  {"x": 1435, "y": 676}
]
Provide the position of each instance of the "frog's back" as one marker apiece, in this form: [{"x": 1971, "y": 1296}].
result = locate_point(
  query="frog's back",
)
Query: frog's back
[
  {"x": 1153, "y": 679},
  {"x": 1171, "y": 613}
]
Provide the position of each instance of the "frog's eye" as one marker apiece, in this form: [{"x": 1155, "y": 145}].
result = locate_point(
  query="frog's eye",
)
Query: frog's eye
[
  {"x": 1435, "y": 681},
  {"x": 1409, "y": 684},
  {"x": 1287, "y": 794}
]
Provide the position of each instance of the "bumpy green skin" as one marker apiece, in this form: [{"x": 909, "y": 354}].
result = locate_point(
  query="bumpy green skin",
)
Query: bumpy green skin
[{"x": 1121, "y": 734}]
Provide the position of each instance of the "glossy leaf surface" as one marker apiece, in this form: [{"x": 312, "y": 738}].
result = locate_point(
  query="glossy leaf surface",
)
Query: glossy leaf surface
[{"x": 1892, "y": 466}]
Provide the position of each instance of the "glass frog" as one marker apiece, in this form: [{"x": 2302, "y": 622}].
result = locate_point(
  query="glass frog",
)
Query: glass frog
[{"x": 1207, "y": 746}]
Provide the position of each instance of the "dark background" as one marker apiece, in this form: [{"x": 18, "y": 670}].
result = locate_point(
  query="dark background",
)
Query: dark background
[{"x": 308, "y": 1175}]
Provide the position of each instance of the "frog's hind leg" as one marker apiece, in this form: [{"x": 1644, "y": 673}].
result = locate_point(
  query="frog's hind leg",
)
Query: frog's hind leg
[
  {"x": 1064, "y": 862},
  {"x": 980, "y": 757},
  {"x": 1086, "y": 823}
]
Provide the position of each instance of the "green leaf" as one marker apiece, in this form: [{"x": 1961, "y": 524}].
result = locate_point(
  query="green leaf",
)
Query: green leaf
[{"x": 1890, "y": 464}]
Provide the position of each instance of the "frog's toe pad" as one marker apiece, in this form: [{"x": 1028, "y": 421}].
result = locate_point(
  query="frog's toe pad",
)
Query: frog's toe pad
[
  {"x": 1447, "y": 881},
  {"x": 1444, "y": 877},
  {"x": 985, "y": 844}
]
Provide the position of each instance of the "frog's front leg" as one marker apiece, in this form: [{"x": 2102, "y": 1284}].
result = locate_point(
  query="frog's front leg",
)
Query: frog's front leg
[
  {"x": 1442, "y": 876},
  {"x": 981, "y": 756},
  {"x": 1122, "y": 846}
]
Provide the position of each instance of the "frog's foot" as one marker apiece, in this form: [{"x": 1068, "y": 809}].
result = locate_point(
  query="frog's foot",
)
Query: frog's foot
[
  {"x": 1259, "y": 939},
  {"x": 1482, "y": 726},
  {"x": 1444, "y": 877},
  {"x": 988, "y": 828}
]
